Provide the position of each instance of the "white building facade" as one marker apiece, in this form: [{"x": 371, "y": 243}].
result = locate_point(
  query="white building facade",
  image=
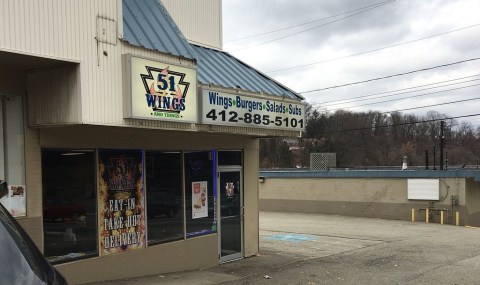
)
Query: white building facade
[{"x": 129, "y": 139}]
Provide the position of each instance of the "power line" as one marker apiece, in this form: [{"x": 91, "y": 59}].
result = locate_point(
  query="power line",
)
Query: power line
[
  {"x": 391, "y": 91},
  {"x": 415, "y": 108},
  {"x": 397, "y": 94},
  {"x": 409, "y": 97},
  {"x": 434, "y": 105},
  {"x": 374, "y": 50},
  {"x": 403, "y": 124},
  {"x": 390, "y": 76},
  {"x": 307, "y": 23},
  {"x": 319, "y": 26}
]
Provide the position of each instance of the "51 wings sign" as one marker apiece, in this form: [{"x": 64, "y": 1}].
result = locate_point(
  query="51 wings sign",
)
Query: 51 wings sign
[{"x": 160, "y": 91}]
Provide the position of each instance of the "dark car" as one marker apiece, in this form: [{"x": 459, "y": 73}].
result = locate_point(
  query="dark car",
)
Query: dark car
[
  {"x": 161, "y": 203},
  {"x": 20, "y": 259}
]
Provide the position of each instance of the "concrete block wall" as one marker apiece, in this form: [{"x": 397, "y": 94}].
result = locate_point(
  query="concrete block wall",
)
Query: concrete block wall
[{"x": 375, "y": 197}]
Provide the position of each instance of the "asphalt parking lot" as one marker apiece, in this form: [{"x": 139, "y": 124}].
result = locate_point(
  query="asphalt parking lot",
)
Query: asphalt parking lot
[{"x": 326, "y": 249}]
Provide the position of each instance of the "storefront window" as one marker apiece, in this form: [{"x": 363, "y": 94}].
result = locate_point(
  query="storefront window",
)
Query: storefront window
[
  {"x": 164, "y": 196},
  {"x": 200, "y": 194},
  {"x": 69, "y": 204}
]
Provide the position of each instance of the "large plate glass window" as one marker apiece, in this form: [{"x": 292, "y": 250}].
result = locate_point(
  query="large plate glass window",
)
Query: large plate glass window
[
  {"x": 69, "y": 204},
  {"x": 164, "y": 196},
  {"x": 200, "y": 193}
]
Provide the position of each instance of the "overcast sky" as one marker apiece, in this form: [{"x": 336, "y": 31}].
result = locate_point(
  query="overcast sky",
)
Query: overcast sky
[{"x": 367, "y": 25}]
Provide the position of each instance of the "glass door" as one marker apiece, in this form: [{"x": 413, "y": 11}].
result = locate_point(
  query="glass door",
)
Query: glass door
[{"x": 231, "y": 214}]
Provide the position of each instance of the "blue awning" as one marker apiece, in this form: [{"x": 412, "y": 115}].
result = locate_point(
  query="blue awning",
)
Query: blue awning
[
  {"x": 219, "y": 68},
  {"x": 146, "y": 23}
]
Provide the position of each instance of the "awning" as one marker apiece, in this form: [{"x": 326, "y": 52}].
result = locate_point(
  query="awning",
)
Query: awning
[
  {"x": 220, "y": 68},
  {"x": 146, "y": 23}
]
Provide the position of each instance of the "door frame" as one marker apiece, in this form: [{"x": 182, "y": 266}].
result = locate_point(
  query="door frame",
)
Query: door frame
[{"x": 239, "y": 255}]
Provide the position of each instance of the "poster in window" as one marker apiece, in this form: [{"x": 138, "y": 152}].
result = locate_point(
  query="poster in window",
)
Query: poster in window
[
  {"x": 14, "y": 200},
  {"x": 121, "y": 201},
  {"x": 199, "y": 199}
]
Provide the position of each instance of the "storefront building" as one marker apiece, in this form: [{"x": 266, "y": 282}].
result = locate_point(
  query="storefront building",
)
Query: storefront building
[{"x": 130, "y": 150}]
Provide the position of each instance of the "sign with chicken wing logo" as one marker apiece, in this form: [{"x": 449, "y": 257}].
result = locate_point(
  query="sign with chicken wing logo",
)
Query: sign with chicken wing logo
[
  {"x": 121, "y": 208},
  {"x": 161, "y": 91}
]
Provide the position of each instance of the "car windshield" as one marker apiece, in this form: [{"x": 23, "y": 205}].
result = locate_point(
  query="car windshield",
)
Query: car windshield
[{"x": 20, "y": 262}]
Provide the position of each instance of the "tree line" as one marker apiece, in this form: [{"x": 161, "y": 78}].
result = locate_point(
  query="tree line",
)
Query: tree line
[{"x": 373, "y": 138}]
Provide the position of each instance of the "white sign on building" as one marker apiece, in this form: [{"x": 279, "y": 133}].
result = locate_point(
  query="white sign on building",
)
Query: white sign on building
[
  {"x": 160, "y": 91},
  {"x": 424, "y": 189},
  {"x": 230, "y": 109}
]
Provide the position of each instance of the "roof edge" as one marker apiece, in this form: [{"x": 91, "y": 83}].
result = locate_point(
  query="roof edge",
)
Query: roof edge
[
  {"x": 291, "y": 173},
  {"x": 300, "y": 97}
]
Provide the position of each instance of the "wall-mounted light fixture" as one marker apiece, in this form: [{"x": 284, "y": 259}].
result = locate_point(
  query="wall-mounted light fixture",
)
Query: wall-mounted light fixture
[{"x": 261, "y": 179}]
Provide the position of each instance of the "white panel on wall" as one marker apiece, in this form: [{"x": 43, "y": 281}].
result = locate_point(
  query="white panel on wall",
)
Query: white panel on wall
[
  {"x": 106, "y": 30},
  {"x": 14, "y": 141},
  {"x": 424, "y": 189},
  {"x": 48, "y": 28},
  {"x": 200, "y": 21}
]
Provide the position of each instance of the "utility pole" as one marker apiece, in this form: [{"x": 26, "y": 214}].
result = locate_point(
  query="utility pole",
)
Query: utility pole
[
  {"x": 426, "y": 159},
  {"x": 434, "y": 168},
  {"x": 442, "y": 142}
]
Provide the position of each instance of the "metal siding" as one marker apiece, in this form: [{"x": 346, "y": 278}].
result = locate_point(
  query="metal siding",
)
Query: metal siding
[
  {"x": 42, "y": 27},
  {"x": 207, "y": 70},
  {"x": 51, "y": 29},
  {"x": 53, "y": 97},
  {"x": 221, "y": 69},
  {"x": 148, "y": 24},
  {"x": 200, "y": 21}
]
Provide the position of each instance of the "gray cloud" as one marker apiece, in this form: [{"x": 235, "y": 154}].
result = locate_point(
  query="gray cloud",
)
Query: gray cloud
[{"x": 400, "y": 21}]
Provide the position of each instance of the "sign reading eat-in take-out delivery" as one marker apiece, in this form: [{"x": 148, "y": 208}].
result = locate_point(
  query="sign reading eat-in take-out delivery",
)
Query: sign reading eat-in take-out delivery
[
  {"x": 160, "y": 91},
  {"x": 220, "y": 108}
]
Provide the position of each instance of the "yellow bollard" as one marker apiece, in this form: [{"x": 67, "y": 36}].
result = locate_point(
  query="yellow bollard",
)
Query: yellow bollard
[
  {"x": 426, "y": 215},
  {"x": 457, "y": 218},
  {"x": 441, "y": 217},
  {"x": 413, "y": 215}
]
